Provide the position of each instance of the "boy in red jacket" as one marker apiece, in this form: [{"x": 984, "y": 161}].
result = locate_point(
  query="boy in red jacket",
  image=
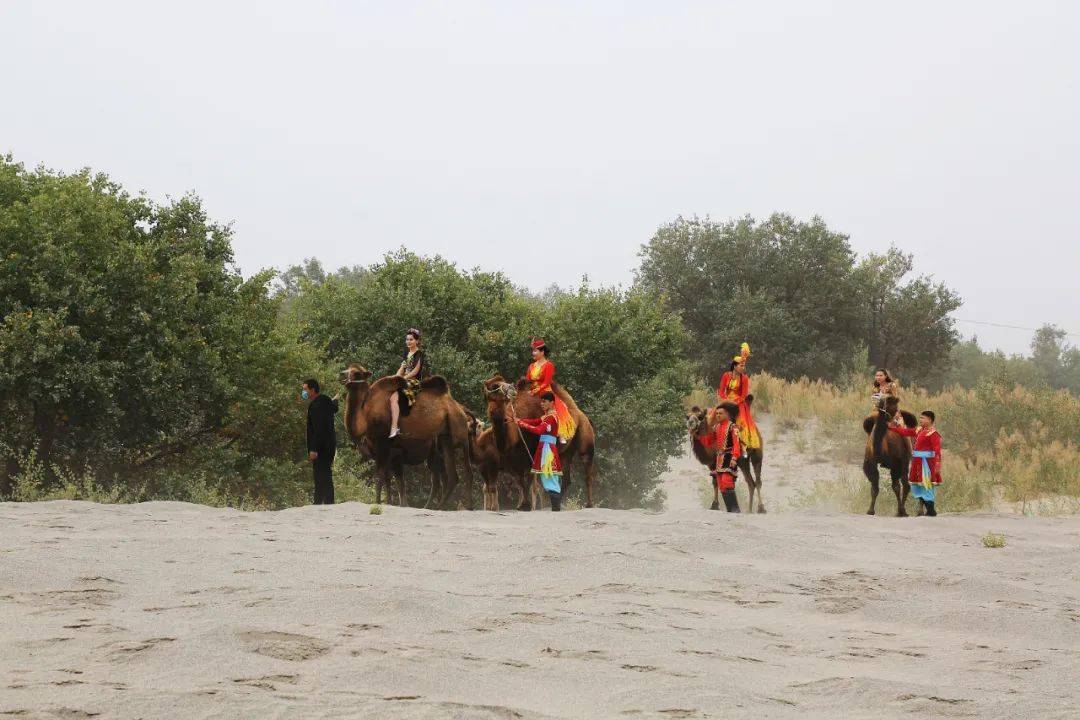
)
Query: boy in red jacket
[
  {"x": 728, "y": 452},
  {"x": 925, "y": 473},
  {"x": 546, "y": 463}
]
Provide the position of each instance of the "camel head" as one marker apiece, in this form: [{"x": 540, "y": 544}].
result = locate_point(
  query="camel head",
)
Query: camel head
[
  {"x": 356, "y": 380},
  {"x": 353, "y": 375},
  {"x": 498, "y": 392},
  {"x": 695, "y": 419}
]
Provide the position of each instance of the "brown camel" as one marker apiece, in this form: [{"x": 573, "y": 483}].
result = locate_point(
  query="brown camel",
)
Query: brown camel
[
  {"x": 435, "y": 463},
  {"x": 437, "y": 424},
  {"x": 491, "y": 463},
  {"x": 700, "y": 424},
  {"x": 517, "y": 447},
  {"x": 889, "y": 450}
]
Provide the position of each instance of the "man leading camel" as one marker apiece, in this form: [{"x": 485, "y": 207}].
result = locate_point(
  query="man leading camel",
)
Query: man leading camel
[{"x": 321, "y": 440}]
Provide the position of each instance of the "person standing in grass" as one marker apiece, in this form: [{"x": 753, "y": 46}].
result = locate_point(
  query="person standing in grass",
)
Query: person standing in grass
[
  {"x": 546, "y": 463},
  {"x": 925, "y": 473}
]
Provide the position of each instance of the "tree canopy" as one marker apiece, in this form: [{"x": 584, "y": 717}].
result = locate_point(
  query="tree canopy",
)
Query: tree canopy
[{"x": 798, "y": 294}]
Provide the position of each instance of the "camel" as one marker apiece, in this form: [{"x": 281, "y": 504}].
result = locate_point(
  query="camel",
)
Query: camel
[
  {"x": 699, "y": 423},
  {"x": 889, "y": 450},
  {"x": 436, "y": 425},
  {"x": 516, "y": 448},
  {"x": 491, "y": 463},
  {"x": 435, "y": 464}
]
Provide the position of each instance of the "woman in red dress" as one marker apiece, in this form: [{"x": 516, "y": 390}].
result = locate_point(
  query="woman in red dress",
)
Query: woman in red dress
[
  {"x": 734, "y": 387},
  {"x": 541, "y": 375}
]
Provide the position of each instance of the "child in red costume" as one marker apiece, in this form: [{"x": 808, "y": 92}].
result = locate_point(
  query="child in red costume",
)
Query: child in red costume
[
  {"x": 925, "y": 473},
  {"x": 546, "y": 463}
]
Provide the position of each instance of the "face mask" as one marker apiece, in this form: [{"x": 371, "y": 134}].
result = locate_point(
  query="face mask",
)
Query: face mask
[{"x": 304, "y": 395}]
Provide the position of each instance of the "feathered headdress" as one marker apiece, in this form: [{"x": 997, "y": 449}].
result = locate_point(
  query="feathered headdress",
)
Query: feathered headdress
[{"x": 744, "y": 352}]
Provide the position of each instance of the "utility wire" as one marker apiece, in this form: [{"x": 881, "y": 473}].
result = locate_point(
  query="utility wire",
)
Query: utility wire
[{"x": 1010, "y": 327}]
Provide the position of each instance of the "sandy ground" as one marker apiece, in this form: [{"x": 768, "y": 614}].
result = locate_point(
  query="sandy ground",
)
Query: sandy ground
[
  {"x": 167, "y": 610},
  {"x": 171, "y": 610}
]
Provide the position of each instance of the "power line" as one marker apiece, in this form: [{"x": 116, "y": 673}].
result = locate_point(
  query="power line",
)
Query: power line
[{"x": 1010, "y": 327}]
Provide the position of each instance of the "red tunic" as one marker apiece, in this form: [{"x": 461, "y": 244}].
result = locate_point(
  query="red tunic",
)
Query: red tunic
[
  {"x": 547, "y": 426},
  {"x": 725, "y": 451},
  {"x": 924, "y": 440}
]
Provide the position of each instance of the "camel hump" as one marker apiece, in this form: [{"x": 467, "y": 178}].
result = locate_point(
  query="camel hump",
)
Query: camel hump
[
  {"x": 909, "y": 419},
  {"x": 436, "y": 384},
  {"x": 868, "y": 425}
]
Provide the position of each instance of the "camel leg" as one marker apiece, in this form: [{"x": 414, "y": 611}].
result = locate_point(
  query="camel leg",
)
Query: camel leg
[
  {"x": 451, "y": 474},
  {"x": 755, "y": 460},
  {"x": 744, "y": 465},
  {"x": 403, "y": 492},
  {"x": 898, "y": 489},
  {"x": 715, "y": 493},
  {"x": 469, "y": 502},
  {"x": 539, "y": 494},
  {"x": 381, "y": 482},
  {"x": 588, "y": 459},
  {"x": 870, "y": 469},
  {"x": 524, "y": 493}
]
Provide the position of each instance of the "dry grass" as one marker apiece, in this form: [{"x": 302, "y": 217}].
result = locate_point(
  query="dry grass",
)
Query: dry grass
[
  {"x": 993, "y": 540},
  {"x": 1001, "y": 445}
]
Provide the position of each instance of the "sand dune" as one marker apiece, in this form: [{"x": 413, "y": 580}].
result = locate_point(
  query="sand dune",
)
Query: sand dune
[{"x": 174, "y": 610}]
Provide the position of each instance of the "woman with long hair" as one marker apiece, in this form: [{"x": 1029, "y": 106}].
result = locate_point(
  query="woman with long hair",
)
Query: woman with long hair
[
  {"x": 414, "y": 369},
  {"x": 541, "y": 376}
]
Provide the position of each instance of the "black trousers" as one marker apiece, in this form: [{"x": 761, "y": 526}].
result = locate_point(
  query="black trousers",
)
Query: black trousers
[{"x": 323, "y": 467}]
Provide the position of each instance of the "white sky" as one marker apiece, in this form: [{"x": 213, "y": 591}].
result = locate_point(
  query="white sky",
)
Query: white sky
[{"x": 549, "y": 139}]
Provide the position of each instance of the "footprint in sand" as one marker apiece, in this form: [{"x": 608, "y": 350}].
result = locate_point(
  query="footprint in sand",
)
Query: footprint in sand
[
  {"x": 283, "y": 645},
  {"x": 268, "y": 682},
  {"x": 121, "y": 652}
]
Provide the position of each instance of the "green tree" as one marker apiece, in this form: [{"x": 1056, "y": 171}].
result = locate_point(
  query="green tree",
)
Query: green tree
[
  {"x": 786, "y": 287},
  {"x": 907, "y": 325},
  {"x": 1055, "y": 360},
  {"x": 127, "y": 337}
]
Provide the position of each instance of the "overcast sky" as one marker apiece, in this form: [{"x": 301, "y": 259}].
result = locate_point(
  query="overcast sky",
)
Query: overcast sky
[{"x": 550, "y": 139}]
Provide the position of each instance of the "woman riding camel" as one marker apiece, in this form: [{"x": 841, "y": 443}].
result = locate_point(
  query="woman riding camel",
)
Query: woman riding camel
[
  {"x": 734, "y": 387},
  {"x": 885, "y": 387},
  {"x": 414, "y": 369},
  {"x": 541, "y": 375}
]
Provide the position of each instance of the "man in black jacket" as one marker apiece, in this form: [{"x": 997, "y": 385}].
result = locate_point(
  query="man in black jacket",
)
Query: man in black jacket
[{"x": 321, "y": 440}]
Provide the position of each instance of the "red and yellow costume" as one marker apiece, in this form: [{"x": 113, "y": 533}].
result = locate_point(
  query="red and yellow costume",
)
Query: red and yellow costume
[
  {"x": 926, "y": 464},
  {"x": 546, "y": 462},
  {"x": 727, "y": 448},
  {"x": 734, "y": 388},
  {"x": 541, "y": 374}
]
